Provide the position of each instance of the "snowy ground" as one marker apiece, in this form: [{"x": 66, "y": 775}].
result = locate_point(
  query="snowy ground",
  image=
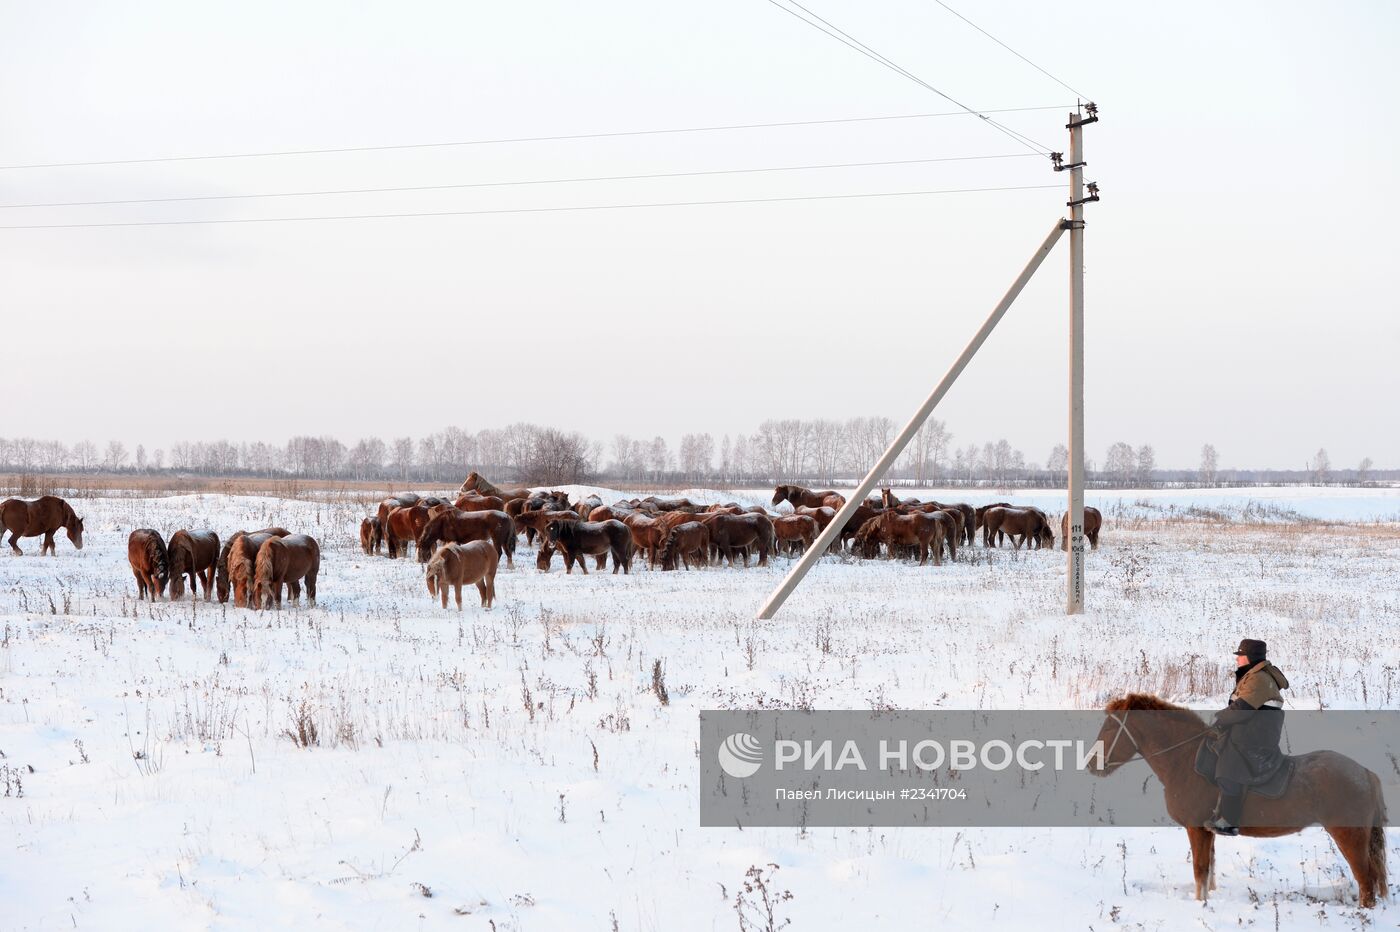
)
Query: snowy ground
[{"x": 517, "y": 766}]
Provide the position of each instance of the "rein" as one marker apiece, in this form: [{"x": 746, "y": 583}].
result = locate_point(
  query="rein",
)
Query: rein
[{"x": 1137, "y": 749}]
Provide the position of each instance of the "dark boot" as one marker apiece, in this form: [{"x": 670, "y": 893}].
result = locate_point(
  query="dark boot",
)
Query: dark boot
[{"x": 1226, "y": 820}]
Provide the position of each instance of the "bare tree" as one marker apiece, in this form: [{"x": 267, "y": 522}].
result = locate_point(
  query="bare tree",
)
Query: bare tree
[
  {"x": 1320, "y": 466},
  {"x": 1146, "y": 464},
  {"x": 116, "y": 455},
  {"x": 929, "y": 447},
  {"x": 1057, "y": 464},
  {"x": 1210, "y": 465},
  {"x": 85, "y": 455},
  {"x": 658, "y": 457},
  {"x": 402, "y": 461},
  {"x": 1121, "y": 463},
  {"x": 1363, "y": 470}
]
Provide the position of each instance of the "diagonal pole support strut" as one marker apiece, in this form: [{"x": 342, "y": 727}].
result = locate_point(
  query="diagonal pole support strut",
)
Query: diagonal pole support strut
[{"x": 883, "y": 465}]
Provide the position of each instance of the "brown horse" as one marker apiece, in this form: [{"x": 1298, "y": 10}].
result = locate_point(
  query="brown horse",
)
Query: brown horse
[
  {"x": 981, "y": 513},
  {"x": 371, "y": 535},
  {"x": 286, "y": 561},
  {"x": 474, "y": 502},
  {"x": 1093, "y": 523},
  {"x": 459, "y": 565},
  {"x": 476, "y": 482},
  {"x": 919, "y": 530},
  {"x": 402, "y": 500},
  {"x": 690, "y": 541},
  {"x": 150, "y": 563},
  {"x": 797, "y": 495},
  {"x": 730, "y": 533},
  {"x": 648, "y": 534},
  {"x": 532, "y": 523},
  {"x": 460, "y": 527},
  {"x": 41, "y": 516},
  {"x": 1029, "y": 526},
  {"x": 575, "y": 539},
  {"x": 194, "y": 554},
  {"x": 222, "y": 580},
  {"x": 1326, "y": 788},
  {"x": 402, "y": 527},
  {"x": 795, "y": 533}
]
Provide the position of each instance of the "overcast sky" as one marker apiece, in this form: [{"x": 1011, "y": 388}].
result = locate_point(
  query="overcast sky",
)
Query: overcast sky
[{"x": 1238, "y": 289}]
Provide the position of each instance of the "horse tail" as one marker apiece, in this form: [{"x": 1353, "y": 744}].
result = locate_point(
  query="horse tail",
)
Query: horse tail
[
  {"x": 510, "y": 534},
  {"x": 427, "y": 538},
  {"x": 1376, "y": 845}
]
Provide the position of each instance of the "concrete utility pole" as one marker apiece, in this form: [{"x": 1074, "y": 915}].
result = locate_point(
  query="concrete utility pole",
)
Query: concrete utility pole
[
  {"x": 857, "y": 495},
  {"x": 1074, "y": 571}
]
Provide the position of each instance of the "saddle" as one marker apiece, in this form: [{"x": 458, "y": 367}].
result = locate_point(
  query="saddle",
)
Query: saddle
[{"x": 1272, "y": 788}]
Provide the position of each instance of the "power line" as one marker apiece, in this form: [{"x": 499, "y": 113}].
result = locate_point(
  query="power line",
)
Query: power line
[
  {"x": 530, "y": 210},
  {"x": 1011, "y": 50},
  {"x": 826, "y": 28},
  {"x": 517, "y": 139},
  {"x": 506, "y": 184}
]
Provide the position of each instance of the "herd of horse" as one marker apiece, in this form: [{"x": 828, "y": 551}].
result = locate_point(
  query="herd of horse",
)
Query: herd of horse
[
  {"x": 678, "y": 533},
  {"x": 462, "y": 542}
]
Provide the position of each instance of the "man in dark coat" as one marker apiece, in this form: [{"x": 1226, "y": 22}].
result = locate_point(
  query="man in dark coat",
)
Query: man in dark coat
[{"x": 1250, "y": 728}]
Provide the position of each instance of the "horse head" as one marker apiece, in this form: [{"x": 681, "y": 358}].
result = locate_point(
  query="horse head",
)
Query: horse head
[
  {"x": 74, "y": 527},
  {"x": 780, "y": 494}
]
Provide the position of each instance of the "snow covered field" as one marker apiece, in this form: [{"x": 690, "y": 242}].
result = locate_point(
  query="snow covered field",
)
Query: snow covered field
[{"x": 516, "y": 770}]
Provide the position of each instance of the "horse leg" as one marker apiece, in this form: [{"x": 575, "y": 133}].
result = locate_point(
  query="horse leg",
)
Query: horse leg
[
  {"x": 208, "y": 583},
  {"x": 603, "y": 562},
  {"x": 1353, "y": 843},
  {"x": 311, "y": 590},
  {"x": 583, "y": 563},
  {"x": 14, "y": 545},
  {"x": 49, "y": 546},
  {"x": 140, "y": 585},
  {"x": 458, "y": 587},
  {"x": 1202, "y": 856}
]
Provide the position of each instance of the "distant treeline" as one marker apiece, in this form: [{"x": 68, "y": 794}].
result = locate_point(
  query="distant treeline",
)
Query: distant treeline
[{"x": 810, "y": 452}]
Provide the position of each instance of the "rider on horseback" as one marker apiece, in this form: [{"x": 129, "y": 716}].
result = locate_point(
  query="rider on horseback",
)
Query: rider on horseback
[{"x": 1248, "y": 745}]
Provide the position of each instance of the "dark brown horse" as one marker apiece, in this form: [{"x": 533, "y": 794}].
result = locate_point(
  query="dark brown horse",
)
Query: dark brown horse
[
  {"x": 1029, "y": 526},
  {"x": 402, "y": 527},
  {"x": 981, "y": 513},
  {"x": 689, "y": 541},
  {"x": 533, "y": 523},
  {"x": 1093, "y": 523},
  {"x": 575, "y": 539},
  {"x": 476, "y": 482},
  {"x": 41, "y": 516},
  {"x": 459, "y": 565},
  {"x": 150, "y": 563},
  {"x": 194, "y": 554},
  {"x": 371, "y": 535},
  {"x": 797, "y": 495},
  {"x": 737, "y": 533},
  {"x": 223, "y": 580},
  {"x": 1326, "y": 788},
  {"x": 286, "y": 561},
  {"x": 460, "y": 527}
]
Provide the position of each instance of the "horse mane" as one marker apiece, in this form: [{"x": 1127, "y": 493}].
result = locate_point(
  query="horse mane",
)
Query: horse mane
[
  {"x": 158, "y": 556},
  {"x": 565, "y": 531},
  {"x": 1146, "y": 702},
  {"x": 178, "y": 554},
  {"x": 262, "y": 564}
]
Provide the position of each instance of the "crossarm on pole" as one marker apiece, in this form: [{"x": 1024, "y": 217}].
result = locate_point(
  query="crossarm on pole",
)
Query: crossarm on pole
[{"x": 886, "y": 461}]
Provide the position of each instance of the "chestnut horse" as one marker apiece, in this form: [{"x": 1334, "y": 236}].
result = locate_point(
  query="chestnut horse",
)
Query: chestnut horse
[
  {"x": 371, "y": 535},
  {"x": 41, "y": 516},
  {"x": 648, "y": 534},
  {"x": 1093, "y": 523},
  {"x": 460, "y": 527},
  {"x": 476, "y": 482},
  {"x": 920, "y": 530},
  {"x": 689, "y": 540},
  {"x": 402, "y": 527},
  {"x": 459, "y": 565},
  {"x": 730, "y": 533},
  {"x": 1326, "y": 788},
  {"x": 795, "y": 533},
  {"x": 150, "y": 563},
  {"x": 223, "y": 575},
  {"x": 286, "y": 561},
  {"x": 797, "y": 495},
  {"x": 473, "y": 502},
  {"x": 194, "y": 554},
  {"x": 575, "y": 539},
  {"x": 402, "y": 500}
]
